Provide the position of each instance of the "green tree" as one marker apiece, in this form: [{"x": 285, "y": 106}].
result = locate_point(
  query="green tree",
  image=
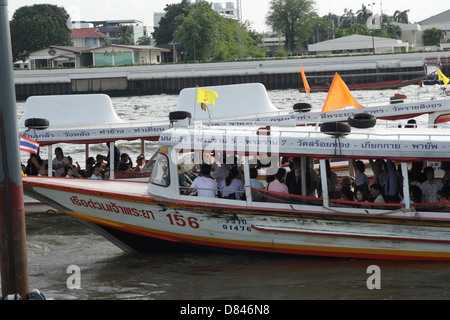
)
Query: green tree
[
  {"x": 124, "y": 35},
  {"x": 401, "y": 16},
  {"x": 144, "y": 40},
  {"x": 168, "y": 25},
  {"x": 432, "y": 37},
  {"x": 198, "y": 33},
  {"x": 292, "y": 18},
  {"x": 37, "y": 27}
]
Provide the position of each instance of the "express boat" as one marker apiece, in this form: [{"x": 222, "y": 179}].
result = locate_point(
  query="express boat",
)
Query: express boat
[{"x": 159, "y": 215}]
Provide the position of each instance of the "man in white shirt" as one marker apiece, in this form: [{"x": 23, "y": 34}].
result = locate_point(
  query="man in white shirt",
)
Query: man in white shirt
[
  {"x": 204, "y": 184},
  {"x": 430, "y": 187}
]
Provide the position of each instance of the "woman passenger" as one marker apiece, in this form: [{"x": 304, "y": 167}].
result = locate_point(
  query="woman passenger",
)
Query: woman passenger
[{"x": 232, "y": 186}]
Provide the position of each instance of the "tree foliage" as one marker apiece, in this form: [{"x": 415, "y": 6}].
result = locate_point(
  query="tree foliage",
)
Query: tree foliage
[
  {"x": 37, "y": 27},
  {"x": 215, "y": 37},
  {"x": 292, "y": 18},
  {"x": 125, "y": 35},
  {"x": 168, "y": 25},
  {"x": 432, "y": 37}
]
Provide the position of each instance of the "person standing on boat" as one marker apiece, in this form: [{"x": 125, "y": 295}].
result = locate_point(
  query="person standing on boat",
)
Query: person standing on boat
[
  {"x": 204, "y": 184},
  {"x": 431, "y": 186},
  {"x": 60, "y": 162},
  {"x": 220, "y": 168},
  {"x": 277, "y": 184},
  {"x": 294, "y": 177},
  {"x": 360, "y": 176},
  {"x": 116, "y": 157}
]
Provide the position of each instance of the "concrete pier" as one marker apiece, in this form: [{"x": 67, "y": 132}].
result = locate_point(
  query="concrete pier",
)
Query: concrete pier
[{"x": 274, "y": 74}]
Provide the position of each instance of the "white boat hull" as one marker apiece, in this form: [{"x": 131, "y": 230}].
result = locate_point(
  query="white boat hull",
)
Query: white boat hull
[{"x": 138, "y": 221}]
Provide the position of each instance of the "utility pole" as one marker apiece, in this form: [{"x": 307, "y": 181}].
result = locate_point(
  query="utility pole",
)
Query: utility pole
[
  {"x": 239, "y": 18},
  {"x": 13, "y": 250}
]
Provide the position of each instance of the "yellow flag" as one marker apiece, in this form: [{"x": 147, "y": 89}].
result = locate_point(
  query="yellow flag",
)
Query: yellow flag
[
  {"x": 339, "y": 96},
  {"x": 443, "y": 77},
  {"x": 305, "y": 82},
  {"x": 206, "y": 96}
]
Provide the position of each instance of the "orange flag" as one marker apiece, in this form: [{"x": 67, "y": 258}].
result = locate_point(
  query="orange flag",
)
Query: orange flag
[
  {"x": 339, "y": 96},
  {"x": 305, "y": 83}
]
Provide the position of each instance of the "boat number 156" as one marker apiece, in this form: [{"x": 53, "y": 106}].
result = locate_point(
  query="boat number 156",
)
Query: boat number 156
[{"x": 178, "y": 219}]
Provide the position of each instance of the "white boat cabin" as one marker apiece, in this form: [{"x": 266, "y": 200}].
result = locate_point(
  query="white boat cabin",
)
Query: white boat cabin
[{"x": 184, "y": 149}]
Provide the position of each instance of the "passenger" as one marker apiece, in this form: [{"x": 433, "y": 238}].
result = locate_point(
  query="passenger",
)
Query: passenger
[
  {"x": 100, "y": 162},
  {"x": 33, "y": 164},
  {"x": 360, "y": 176},
  {"x": 311, "y": 191},
  {"x": 69, "y": 172},
  {"x": 444, "y": 195},
  {"x": 42, "y": 170},
  {"x": 60, "y": 162},
  {"x": 346, "y": 182},
  {"x": 332, "y": 180},
  {"x": 380, "y": 172},
  {"x": 277, "y": 184},
  {"x": 232, "y": 186},
  {"x": 362, "y": 193},
  {"x": 126, "y": 164},
  {"x": 445, "y": 165},
  {"x": 415, "y": 195},
  {"x": 390, "y": 190},
  {"x": 75, "y": 167},
  {"x": 347, "y": 194},
  {"x": 140, "y": 163},
  {"x": 222, "y": 169},
  {"x": 96, "y": 174},
  {"x": 90, "y": 163},
  {"x": 204, "y": 184},
  {"x": 416, "y": 175},
  {"x": 431, "y": 186},
  {"x": 376, "y": 191},
  {"x": 294, "y": 177},
  {"x": 116, "y": 157},
  {"x": 254, "y": 182}
]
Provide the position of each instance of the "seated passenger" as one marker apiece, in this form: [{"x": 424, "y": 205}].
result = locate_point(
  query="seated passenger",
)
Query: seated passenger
[
  {"x": 96, "y": 173},
  {"x": 204, "y": 184},
  {"x": 277, "y": 184},
  {"x": 415, "y": 195},
  {"x": 347, "y": 194},
  {"x": 232, "y": 187},
  {"x": 376, "y": 192},
  {"x": 125, "y": 162},
  {"x": 254, "y": 183},
  {"x": 362, "y": 193}
]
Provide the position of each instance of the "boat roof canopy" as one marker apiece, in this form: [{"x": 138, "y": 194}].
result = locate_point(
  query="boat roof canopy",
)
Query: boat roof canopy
[
  {"x": 78, "y": 110},
  {"x": 233, "y": 101},
  {"x": 379, "y": 142}
]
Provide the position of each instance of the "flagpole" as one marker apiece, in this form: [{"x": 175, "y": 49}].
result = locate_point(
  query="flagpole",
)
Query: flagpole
[
  {"x": 13, "y": 248},
  {"x": 195, "y": 101}
]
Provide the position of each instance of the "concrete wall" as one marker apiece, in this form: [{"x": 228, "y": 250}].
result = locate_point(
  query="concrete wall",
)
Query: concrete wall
[{"x": 157, "y": 79}]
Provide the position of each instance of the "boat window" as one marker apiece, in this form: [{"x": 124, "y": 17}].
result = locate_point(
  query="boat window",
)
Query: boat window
[{"x": 160, "y": 174}]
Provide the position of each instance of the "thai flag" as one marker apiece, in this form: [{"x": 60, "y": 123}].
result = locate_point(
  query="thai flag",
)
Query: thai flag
[{"x": 28, "y": 145}]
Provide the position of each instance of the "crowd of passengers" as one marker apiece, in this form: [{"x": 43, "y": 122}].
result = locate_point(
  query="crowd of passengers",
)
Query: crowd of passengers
[
  {"x": 384, "y": 186},
  {"x": 96, "y": 168}
]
